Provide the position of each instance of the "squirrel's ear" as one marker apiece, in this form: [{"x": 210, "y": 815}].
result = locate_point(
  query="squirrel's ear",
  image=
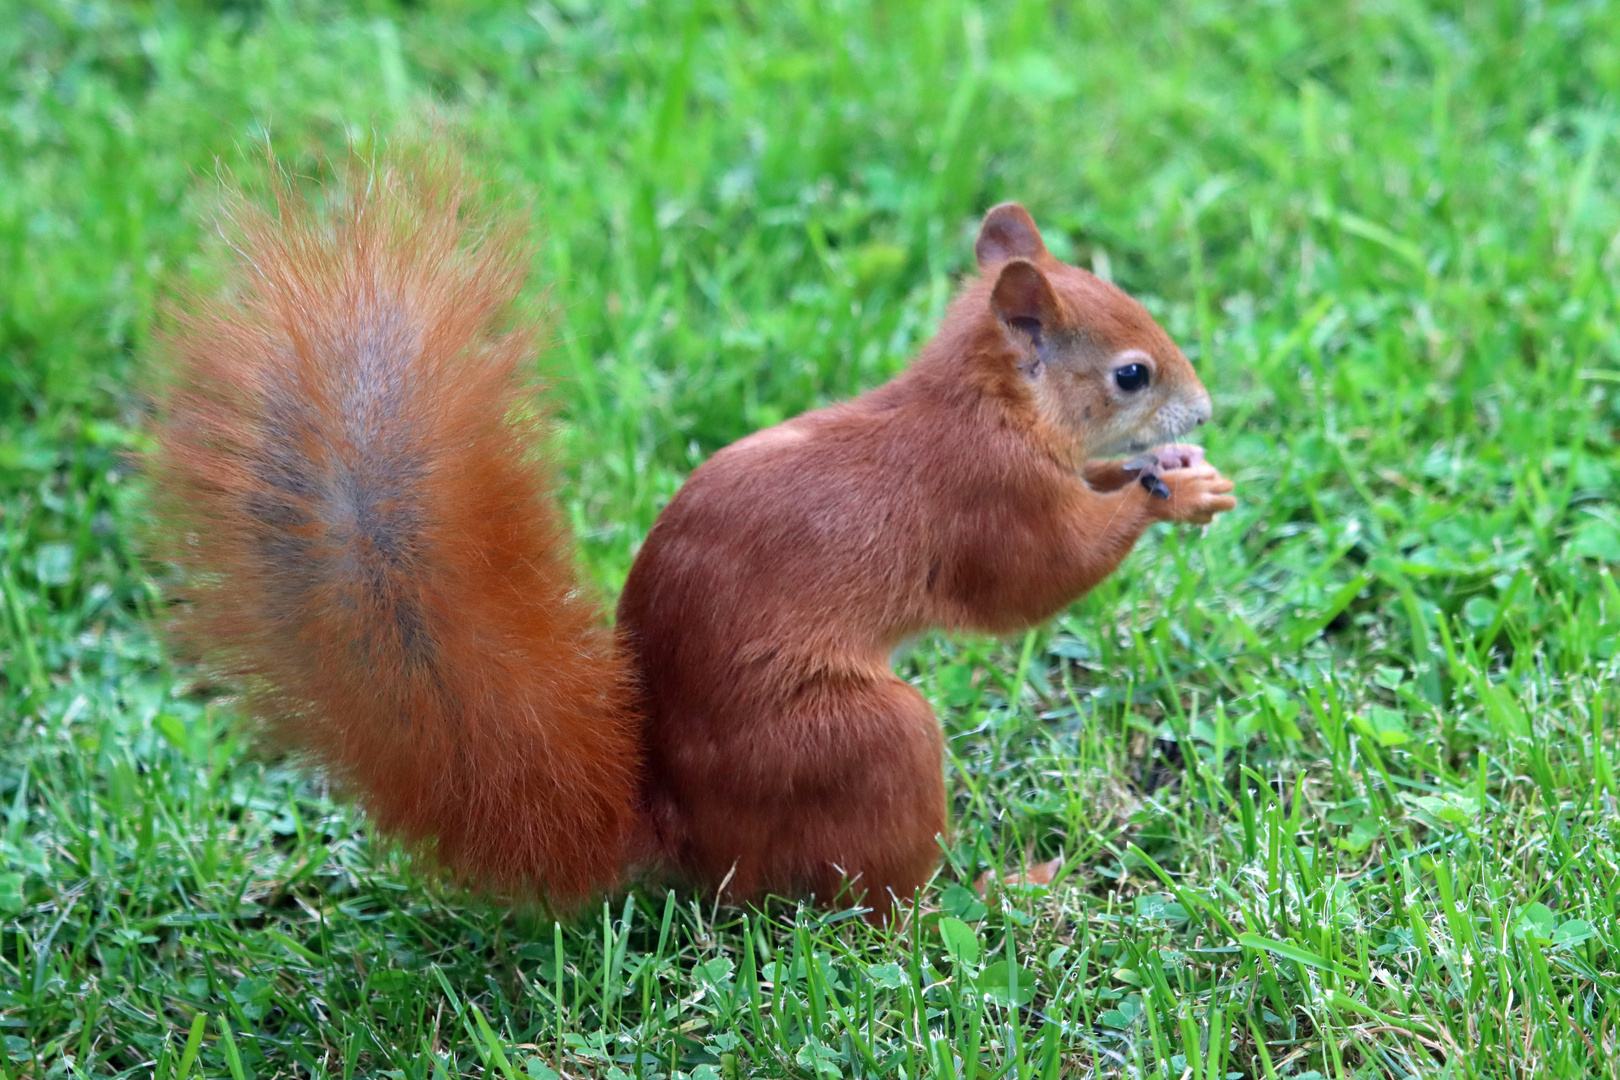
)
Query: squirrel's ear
[
  {"x": 1008, "y": 232},
  {"x": 1023, "y": 299}
]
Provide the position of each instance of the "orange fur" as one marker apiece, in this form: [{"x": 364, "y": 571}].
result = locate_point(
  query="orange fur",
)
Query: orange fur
[{"x": 348, "y": 473}]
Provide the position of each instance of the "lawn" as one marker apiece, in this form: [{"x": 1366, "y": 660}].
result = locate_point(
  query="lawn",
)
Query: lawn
[{"x": 1333, "y": 780}]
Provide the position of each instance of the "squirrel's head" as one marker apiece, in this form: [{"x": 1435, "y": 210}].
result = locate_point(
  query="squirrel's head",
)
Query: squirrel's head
[{"x": 1100, "y": 368}]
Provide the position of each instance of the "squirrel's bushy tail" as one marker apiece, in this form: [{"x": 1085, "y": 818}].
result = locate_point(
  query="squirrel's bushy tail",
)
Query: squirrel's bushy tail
[{"x": 347, "y": 472}]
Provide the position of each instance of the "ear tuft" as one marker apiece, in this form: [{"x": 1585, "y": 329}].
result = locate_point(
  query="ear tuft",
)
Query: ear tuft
[
  {"x": 1008, "y": 232},
  {"x": 1023, "y": 296}
]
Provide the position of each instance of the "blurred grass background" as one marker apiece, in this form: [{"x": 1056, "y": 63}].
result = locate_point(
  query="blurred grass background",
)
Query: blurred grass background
[{"x": 1333, "y": 781}]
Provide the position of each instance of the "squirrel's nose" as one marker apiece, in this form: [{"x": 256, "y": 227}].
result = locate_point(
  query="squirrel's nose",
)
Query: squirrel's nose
[{"x": 1202, "y": 409}]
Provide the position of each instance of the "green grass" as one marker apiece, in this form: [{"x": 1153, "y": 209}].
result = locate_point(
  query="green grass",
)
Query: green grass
[{"x": 1334, "y": 781}]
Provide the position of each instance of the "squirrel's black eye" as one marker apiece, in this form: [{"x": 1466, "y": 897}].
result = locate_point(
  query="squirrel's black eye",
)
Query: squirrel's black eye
[{"x": 1132, "y": 377}]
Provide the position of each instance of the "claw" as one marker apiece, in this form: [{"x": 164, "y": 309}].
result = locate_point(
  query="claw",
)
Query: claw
[
  {"x": 1155, "y": 487},
  {"x": 1140, "y": 462}
]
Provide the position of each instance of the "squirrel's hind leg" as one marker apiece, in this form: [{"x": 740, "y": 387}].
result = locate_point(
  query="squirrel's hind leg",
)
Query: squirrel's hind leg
[{"x": 861, "y": 821}]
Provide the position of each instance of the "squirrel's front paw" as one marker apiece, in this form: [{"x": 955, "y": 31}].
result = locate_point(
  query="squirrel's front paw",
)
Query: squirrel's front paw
[
  {"x": 1147, "y": 467},
  {"x": 1193, "y": 494}
]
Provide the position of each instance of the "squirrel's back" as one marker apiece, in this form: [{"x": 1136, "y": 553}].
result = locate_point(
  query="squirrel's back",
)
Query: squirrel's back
[{"x": 347, "y": 468}]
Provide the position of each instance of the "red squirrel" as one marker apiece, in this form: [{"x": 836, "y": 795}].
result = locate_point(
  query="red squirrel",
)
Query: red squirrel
[{"x": 347, "y": 470}]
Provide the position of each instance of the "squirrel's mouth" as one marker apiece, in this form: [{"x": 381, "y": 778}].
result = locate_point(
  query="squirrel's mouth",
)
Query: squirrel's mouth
[
  {"x": 1141, "y": 446},
  {"x": 1165, "y": 426}
]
